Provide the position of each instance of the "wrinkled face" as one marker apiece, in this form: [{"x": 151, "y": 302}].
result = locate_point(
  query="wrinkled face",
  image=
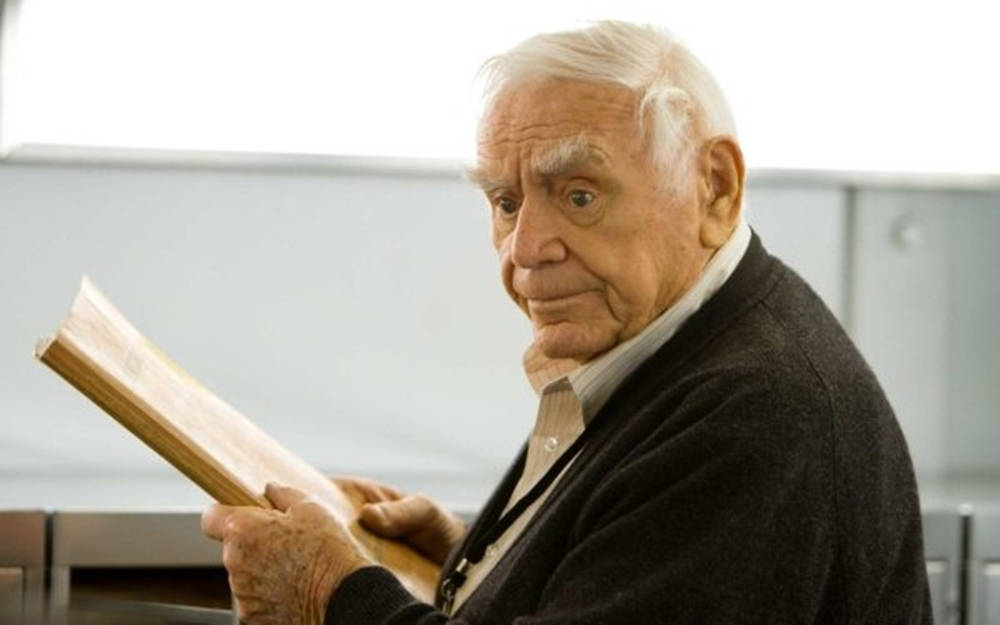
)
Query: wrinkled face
[{"x": 592, "y": 245}]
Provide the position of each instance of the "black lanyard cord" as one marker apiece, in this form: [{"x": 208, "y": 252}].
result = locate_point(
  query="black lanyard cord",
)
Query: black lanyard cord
[{"x": 478, "y": 544}]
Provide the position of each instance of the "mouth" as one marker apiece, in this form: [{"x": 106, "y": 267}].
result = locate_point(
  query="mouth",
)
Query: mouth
[{"x": 556, "y": 303}]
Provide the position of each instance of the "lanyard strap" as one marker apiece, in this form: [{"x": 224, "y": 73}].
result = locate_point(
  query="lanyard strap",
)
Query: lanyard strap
[{"x": 485, "y": 537}]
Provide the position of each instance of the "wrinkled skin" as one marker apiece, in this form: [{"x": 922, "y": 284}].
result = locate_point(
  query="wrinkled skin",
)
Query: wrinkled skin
[
  {"x": 594, "y": 247},
  {"x": 283, "y": 564},
  {"x": 416, "y": 520}
]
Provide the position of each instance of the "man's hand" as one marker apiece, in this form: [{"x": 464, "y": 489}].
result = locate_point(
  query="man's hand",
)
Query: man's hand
[
  {"x": 414, "y": 519},
  {"x": 283, "y": 564}
]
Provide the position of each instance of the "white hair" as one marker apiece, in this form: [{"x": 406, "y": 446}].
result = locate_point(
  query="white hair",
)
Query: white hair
[{"x": 676, "y": 92}]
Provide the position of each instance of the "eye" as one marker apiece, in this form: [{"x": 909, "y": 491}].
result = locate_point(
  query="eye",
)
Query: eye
[
  {"x": 581, "y": 198},
  {"x": 506, "y": 204}
]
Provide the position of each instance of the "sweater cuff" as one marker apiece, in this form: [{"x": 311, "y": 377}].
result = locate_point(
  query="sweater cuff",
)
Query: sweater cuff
[{"x": 368, "y": 596}]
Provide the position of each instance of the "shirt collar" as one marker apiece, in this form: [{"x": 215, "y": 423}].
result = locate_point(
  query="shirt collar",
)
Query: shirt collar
[{"x": 595, "y": 381}]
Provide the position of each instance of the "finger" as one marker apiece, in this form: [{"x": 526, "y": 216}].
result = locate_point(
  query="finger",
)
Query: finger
[
  {"x": 362, "y": 490},
  {"x": 392, "y": 519},
  {"x": 347, "y": 481},
  {"x": 283, "y": 497},
  {"x": 351, "y": 489},
  {"x": 343, "y": 481},
  {"x": 213, "y": 520},
  {"x": 388, "y": 493}
]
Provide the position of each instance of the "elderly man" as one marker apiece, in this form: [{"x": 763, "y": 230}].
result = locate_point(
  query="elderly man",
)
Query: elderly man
[{"x": 709, "y": 446}]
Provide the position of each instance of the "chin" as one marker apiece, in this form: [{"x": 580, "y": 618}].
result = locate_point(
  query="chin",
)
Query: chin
[{"x": 566, "y": 341}]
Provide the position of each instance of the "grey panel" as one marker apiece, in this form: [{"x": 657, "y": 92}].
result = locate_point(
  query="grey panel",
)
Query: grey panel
[
  {"x": 11, "y": 595},
  {"x": 58, "y": 597},
  {"x": 142, "y": 541},
  {"x": 942, "y": 533},
  {"x": 938, "y": 579},
  {"x": 974, "y": 337},
  {"x": 22, "y": 560},
  {"x": 131, "y": 539},
  {"x": 806, "y": 228},
  {"x": 984, "y": 567},
  {"x": 924, "y": 310},
  {"x": 141, "y": 613},
  {"x": 989, "y": 601},
  {"x": 900, "y": 314}
]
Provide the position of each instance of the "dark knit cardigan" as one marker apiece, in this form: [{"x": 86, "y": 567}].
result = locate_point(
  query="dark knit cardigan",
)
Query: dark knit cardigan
[{"x": 751, "y": 471}]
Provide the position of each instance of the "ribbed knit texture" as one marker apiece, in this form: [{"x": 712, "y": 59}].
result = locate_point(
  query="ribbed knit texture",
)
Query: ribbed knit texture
[{"x": 753, "y": 472}]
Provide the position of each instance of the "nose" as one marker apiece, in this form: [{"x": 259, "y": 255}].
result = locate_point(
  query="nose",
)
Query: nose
[{"x": 536, "y": 238}]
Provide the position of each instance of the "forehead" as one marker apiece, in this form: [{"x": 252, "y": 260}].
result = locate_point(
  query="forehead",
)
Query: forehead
[{"x": 537, "y": 114}]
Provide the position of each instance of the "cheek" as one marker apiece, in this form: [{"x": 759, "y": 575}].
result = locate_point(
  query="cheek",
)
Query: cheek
[
  {"x": 497, "y": 236},
  {"x": 631, "y": 293},
  {"x": 501, "y": 242},
  {"x": 634, "y": 278}
]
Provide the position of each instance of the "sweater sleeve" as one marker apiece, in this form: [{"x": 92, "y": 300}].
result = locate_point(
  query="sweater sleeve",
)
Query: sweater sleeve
[
  {"x": 725, "y": 525},
  {"x": 373, "y": 596},
  {"x": 691, "y": 530},
  {"x": 682, "y": 553},
  {"x": 730, "y": 517}
]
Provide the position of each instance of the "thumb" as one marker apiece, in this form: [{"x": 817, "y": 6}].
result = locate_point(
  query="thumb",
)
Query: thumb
[
  {"x": 283, "y": 497},
  {"x": 393, "y": 519}
]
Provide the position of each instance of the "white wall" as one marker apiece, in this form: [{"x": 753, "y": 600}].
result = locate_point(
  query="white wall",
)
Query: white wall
[
  {"x": 358, "y": 317},
  {"x": 925, "y": 302}
]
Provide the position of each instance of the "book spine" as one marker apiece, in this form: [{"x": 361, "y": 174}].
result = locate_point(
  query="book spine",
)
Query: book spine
[{"x": 76, "y": 369}]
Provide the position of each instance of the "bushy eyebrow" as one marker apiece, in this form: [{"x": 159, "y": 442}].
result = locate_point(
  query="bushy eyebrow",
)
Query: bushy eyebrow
[{"x": 564, "y": 156}]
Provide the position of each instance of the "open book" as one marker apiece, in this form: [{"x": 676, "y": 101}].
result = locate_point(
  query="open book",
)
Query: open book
[{"x": 99, "y": 352}]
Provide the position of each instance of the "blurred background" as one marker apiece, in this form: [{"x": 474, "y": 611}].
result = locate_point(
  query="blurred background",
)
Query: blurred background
[{"x": 272, "y": 193}]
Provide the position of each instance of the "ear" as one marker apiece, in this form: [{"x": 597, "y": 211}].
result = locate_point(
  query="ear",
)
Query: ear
[{"x": 723, "y": 173}]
